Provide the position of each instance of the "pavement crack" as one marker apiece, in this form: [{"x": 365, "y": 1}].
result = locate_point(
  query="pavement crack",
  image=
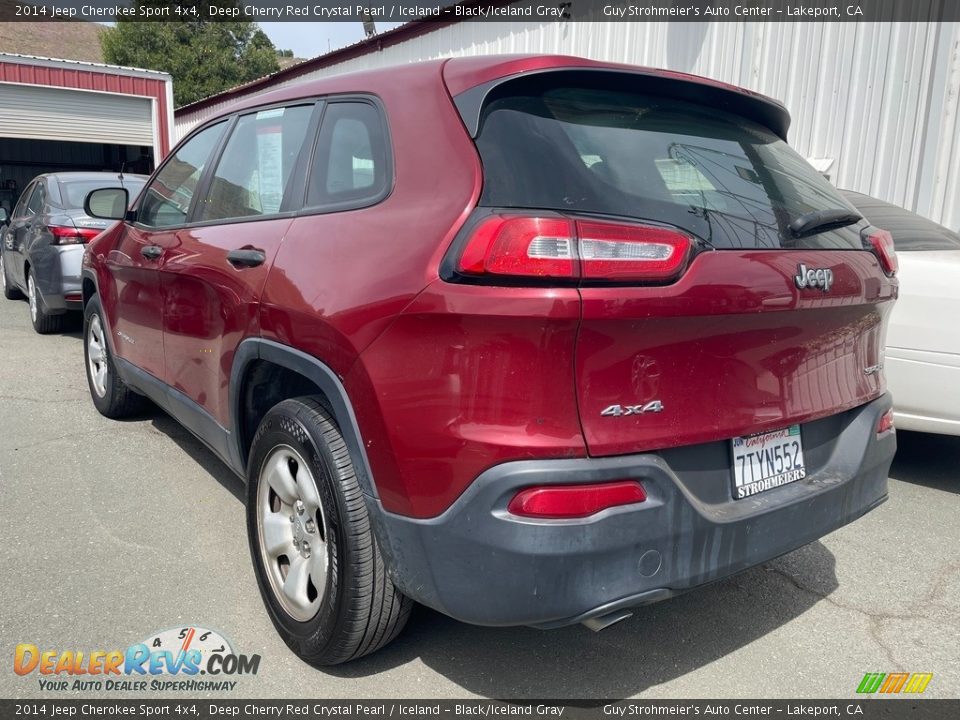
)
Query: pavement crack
[
  {"x": 57, "y": 438},
  {"x": 876, "y": 618},
  {"x": 41, "y": 401}
]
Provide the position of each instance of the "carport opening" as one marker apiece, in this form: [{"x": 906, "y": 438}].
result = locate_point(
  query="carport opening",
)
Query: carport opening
[{"x": 23, "y": 159}]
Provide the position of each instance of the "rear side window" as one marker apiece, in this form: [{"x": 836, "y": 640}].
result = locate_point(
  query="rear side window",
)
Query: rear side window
[
  {"x": 166, "y": 201},
  {"x": 722, "y": 177},
  {"x": 21, "y": 209},
  {"x": 351, "y": 164},
  {"x": 253, "y": 173},
  {"x": 35, "y": 203}
]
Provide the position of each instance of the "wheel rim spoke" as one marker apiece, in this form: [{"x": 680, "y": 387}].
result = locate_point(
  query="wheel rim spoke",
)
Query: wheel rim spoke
[
  {"x": 281, "y": 479},
  {"x": 277, "y": 535},
  {"x": 307, "y": 490},
  {"x": 295, "y": 584}
]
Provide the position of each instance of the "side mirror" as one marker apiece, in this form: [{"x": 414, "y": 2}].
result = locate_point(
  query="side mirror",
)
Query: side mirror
[
  {"x": 4, "y": 218},
  {"x": 107, "y": 203}
]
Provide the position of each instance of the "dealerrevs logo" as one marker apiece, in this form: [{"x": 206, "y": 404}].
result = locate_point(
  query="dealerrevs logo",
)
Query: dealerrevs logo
[{"x": 170, "y": 660}]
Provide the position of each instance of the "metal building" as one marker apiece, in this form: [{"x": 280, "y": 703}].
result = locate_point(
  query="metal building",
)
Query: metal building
[
  {"x": 70, "y": 115},
  {"x": 875, "y": 105}
]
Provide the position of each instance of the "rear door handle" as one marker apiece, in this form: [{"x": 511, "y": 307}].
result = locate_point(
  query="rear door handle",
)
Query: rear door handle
[
  {"x": 246, "y": 257},
  {"x": 151, "y": 252}
]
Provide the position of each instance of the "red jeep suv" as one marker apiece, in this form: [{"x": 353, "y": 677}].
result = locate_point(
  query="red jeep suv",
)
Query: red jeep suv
[{"x": 528, "y": 340}]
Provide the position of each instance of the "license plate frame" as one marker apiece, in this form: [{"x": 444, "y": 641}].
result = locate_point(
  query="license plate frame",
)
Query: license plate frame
[{"x": 765, "y": 461}]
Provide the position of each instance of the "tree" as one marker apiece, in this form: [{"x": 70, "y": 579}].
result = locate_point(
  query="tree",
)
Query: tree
[{"x": 203, "y": 57}]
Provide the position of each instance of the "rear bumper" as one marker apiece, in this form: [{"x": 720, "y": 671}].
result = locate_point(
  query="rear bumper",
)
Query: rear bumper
[
  {"x": 479, "y": 564},
  {"x": 57, "y": 273}
]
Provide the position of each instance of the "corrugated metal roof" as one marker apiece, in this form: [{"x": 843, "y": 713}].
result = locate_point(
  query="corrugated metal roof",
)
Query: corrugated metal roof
[{"x": 19, "y": 59}]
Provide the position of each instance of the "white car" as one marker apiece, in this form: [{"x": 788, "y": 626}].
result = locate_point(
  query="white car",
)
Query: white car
[{"x": 922, "y": 362}]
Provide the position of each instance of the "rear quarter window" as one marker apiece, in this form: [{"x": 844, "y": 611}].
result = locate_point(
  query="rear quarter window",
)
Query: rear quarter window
[
  {"x": 722, "y": 177},
  {"x": 351, "y": 167}
]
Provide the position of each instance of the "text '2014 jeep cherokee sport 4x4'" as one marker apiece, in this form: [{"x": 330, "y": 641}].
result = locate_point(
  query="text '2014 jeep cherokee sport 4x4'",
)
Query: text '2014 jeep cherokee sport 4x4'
[{"x": 528, "y": 340}]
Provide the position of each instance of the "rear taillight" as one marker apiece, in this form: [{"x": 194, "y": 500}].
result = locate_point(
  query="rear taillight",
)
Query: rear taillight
[
  {"x": 631, "y": 252},
  {"x": 63, "y": 235},
  {"x": 551, "y": 247},
  {"x": 557, "y": 502},
  {"x": 882, "y": 244},
  {"x": 521, "y": 246},
  {"x": 886, "y": 422}
]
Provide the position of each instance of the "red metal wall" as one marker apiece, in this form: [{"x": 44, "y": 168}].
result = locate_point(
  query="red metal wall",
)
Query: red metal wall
[{"x": 82, "y": 78}]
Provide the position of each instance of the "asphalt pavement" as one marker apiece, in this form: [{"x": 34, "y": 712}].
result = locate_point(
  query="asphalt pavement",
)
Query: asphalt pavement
[{"x": 113, "y": 531}]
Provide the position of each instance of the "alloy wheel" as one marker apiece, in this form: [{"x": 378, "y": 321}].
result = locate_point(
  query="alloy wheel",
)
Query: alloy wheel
[
  {"x": 32, "y": 297},
  {"x": 292, "y": 533},
  {"x": 96, "y": 356}
]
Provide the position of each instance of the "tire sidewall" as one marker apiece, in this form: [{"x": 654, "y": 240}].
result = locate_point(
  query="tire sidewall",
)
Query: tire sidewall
[{"x": 283, "y": 426}]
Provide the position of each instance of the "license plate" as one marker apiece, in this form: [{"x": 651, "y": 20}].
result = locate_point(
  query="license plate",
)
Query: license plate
[{"x": 766, "y": 461}]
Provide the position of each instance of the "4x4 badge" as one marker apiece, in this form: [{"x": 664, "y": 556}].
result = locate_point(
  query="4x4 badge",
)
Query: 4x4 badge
[
  {"x": 813, "y": 278},
  {"x": 619, "y": 410}
]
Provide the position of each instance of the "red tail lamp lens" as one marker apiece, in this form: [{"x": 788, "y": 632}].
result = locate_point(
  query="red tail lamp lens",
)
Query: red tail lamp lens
[
  {"x": 63, "y": 235},
  {"x": 521, "y": 246},
  {"x": 575, "y": 501},
  {"x": 559, "y": 248},
  {"x": 886, "y": 422},
  {"x": 882, "y": 243}
]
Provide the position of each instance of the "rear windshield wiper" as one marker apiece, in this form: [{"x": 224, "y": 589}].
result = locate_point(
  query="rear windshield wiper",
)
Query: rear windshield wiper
[{"x": 819, "y": 221}]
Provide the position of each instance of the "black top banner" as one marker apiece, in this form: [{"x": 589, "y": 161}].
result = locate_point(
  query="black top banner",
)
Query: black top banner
[{"x": 480, "y": 10}]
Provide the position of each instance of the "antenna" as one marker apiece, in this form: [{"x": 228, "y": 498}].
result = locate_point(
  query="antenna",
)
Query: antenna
[{"x": 369, "y": 27}]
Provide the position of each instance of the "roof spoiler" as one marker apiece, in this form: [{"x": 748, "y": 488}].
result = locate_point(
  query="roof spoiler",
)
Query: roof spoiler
[{"x": 680, "y": 86}]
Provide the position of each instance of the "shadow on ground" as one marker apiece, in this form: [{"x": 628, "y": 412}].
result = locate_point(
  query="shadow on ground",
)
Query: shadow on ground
[
  {"x": 211, "y": 464},
  {"x": 659, "y": 643},
  {"x": 929, "y": 460}
]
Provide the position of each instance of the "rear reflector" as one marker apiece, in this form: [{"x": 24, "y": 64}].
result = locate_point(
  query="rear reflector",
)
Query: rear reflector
[
  {"x": 561, "y": 248},
  {"x": 575, "y": 501},
  {"x": 63, "y": 235},
  {"x": 882, "y": 243},
  {"x": 886, "y": 422}
]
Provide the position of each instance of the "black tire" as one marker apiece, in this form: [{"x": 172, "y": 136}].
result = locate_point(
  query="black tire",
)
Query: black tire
[
  {"x": 42, "y": 322},
  {"x": 10, "y": 292},
  {"x": 360, "y": 610},
  {"x": 117, "y": 401}
]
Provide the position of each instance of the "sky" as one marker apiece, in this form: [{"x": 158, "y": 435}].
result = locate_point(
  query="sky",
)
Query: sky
[{"x": 309, "y": 39}]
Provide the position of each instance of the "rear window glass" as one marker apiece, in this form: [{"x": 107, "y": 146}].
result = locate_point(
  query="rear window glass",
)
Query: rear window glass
[
  {"x": 74, "y": 192},
  {"x": 724, "y": 178}
]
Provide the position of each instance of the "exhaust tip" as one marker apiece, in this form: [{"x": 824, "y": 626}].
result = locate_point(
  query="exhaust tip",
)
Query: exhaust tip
[{"x": 604, "y": 621}]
